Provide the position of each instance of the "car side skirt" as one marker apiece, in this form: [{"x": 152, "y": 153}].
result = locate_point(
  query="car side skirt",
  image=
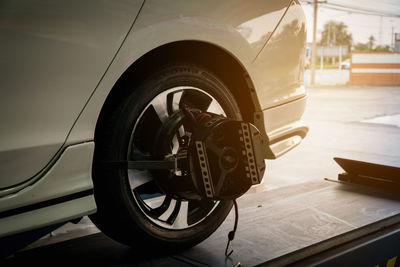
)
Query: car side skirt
[
  {"x": 49, "y": 215},
  {"x": 65, "y": 192}
]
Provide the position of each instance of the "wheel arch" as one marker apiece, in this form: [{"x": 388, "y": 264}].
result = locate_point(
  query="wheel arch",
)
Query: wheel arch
[{"x": 218, "y": 60}]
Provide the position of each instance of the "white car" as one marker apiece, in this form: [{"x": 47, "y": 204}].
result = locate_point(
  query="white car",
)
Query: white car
[
  {"x": 345, "y": 65},
  {"x": 107, "y": 107}
]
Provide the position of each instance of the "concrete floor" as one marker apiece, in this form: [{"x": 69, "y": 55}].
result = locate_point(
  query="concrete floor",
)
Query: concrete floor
[
  {"x": 295, "y": 206},
  {"x": 335, "y": 115}
]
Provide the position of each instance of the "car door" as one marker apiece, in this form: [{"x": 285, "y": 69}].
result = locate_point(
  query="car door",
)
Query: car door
[{"x": 53, "y": 53}]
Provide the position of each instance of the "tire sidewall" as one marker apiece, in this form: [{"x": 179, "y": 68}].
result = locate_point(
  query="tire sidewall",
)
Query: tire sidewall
[{"x": 123, "y": 120}]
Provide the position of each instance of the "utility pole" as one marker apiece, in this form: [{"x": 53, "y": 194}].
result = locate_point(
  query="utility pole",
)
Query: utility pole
[
  {"x": 392, "y": 39},
  {"x": 392, "y": 43},
  {"x": 380, "y": 31},
  {"x": 314, "y": 43}
]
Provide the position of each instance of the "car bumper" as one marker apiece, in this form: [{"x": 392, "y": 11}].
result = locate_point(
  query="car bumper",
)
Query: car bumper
[{"x": 284, "y": 126}]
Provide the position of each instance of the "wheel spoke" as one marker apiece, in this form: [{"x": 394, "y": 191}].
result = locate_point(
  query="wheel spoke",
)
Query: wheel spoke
[
  {"x": 138, "y": 178},
  {"x": 136, "y": 154},
  {"x": 181, "y": 131},
  {"x": 158, "y": 209},
  {"x": 181, "y": 219},
  {"x": 146, "y": 130},
  {"x": 199, "y": 209},
  {"x": 160, "y": 106},
  {"x": 169, "y": 210},
  {"x": 175, "y": 145},
  {"x": 195, "y": 99},
  {"x": 173, "y": 100},
  {"x": 216, "y": 108}
]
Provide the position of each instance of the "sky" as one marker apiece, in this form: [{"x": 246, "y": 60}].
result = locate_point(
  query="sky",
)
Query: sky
[{"x": 359, "y": 25}]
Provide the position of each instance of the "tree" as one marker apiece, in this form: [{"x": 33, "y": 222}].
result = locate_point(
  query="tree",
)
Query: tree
[
  {"x": 335, "y": 33},
  {"x": 382, "y": 48},
  {"x": 361, "y": 47},
  {"x": 370, "y": 43},
  {"x": 369, "y": 46}
]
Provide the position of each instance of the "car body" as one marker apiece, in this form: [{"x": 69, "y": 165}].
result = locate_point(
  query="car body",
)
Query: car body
[
  {"x": 62, "y": 60},
  {"x": 345, "y": 65},
  {"x": 308, "y": 58}
]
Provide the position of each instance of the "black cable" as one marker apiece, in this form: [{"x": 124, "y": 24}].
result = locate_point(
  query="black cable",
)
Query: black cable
[{"x": 231, "y": 234}]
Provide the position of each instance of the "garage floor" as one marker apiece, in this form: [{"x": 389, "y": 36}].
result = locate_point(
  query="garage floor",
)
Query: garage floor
[{"x": 294, "y": 207}]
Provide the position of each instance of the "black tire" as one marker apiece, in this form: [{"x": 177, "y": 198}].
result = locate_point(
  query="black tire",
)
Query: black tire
[{"x": 120, "y": 212}]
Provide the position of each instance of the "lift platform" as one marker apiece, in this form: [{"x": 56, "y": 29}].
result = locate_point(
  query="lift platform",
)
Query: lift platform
[
  {"x": 370, "y": 174},
  {"x": 341, "y": 223}
]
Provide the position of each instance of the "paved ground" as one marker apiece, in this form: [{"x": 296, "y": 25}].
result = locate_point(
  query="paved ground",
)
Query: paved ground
[
  {"x": 340, "y": 125},
  {"x": 335, "y": 116}
]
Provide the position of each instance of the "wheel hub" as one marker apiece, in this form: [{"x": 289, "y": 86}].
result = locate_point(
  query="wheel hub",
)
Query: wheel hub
[{"x": 220, "y": 159}]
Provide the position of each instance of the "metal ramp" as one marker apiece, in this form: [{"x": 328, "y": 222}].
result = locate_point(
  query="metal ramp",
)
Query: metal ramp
[{"x": 312, "y": 223}]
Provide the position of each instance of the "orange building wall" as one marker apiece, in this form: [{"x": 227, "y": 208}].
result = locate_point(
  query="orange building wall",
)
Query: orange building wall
[{"x": 375, "y": 69}]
